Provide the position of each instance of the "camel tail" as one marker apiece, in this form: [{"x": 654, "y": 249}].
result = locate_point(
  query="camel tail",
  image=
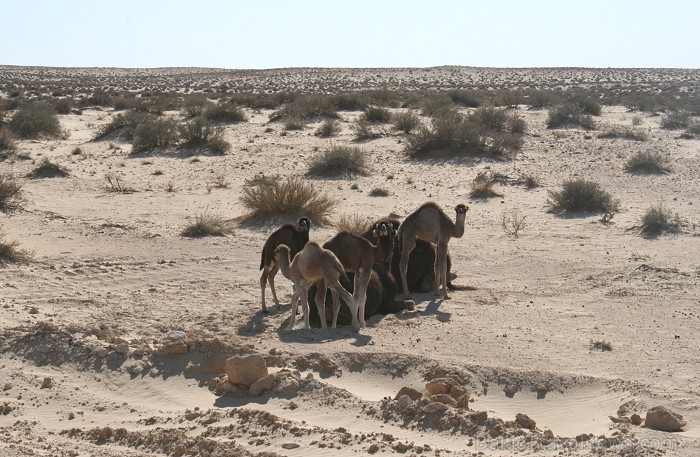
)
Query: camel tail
[
  {"x": 344, "y": 280},
  {"x": 262, "y": 259}
]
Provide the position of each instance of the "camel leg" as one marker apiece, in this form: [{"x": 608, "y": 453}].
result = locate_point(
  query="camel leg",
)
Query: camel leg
[
  {"x": 274, "y": 268},
  {"x": 403, "y": 264},
  {"x": 345, "y": 295},
  {"x": 336, "y": 307},
  {"x": 441, "y": 270},
  {"x": 263, "y": 285},
  {"x": 295, "y": 302},
  {"x": 321, "y": 302},
  {"x": 361, "y": 283}
]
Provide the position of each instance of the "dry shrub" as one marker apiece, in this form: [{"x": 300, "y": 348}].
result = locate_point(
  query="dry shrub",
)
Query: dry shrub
[
  {"x": 207, "y": 224},
  {"x": 379, "y": 192},
  {"x": 339, "y": 161},
  {"x": 328, "y": 128},
  {"x": 225, "y": 111},
  {"x": 7, "y": 141},
  {"x": 648, "y": 162},
  {"x": 11, "y": 198},
  {"x": 36, "y": 120},
  {"x": 658, "y": 220},
  {"x": 407, "y": 121},
  {"x": 115, "y": 183},
  {"x": 363, "y": 131},
  {"x": 377, "y": 114},
  {"x": 123, "y": 125},
  {"x": 10, "y": 252},
  {"x": 513, "y": 223},
  {"x": 194, "y": 105},
  {"x": 624, "y": 133},
  {"x": 200, "y": 133},
  {"x": 286, "y": 199},
  {"x": 307, "y": 107},
  {"x": 676, "y": 120},
  {"x": 48, "y": 169},
  {"x": 569, "y": 115},
  {"x": 154, "y": 134},
  {"x": 353, "y": 223},
  {"x": 581, "y": 195},
  {"x": 482, "y": 187}
]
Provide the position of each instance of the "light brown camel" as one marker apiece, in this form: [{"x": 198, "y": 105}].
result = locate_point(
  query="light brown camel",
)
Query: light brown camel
[
  {"x": 430, "y": 223},
  {"x": 310, "y": 265},
  {"x": 294, "y": 236},
  {"x": 358, "y": 255}
]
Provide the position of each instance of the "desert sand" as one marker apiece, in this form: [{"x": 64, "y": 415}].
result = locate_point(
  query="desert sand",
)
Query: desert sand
[{"x": 112, "y": 278}]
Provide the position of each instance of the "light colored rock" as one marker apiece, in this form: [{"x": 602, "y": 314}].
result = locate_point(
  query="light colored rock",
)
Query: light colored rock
[
  {"x": 457, "y": 391},
  {"x": 438, "y": 386},
  {"x": 177, "y": 347},
  {"x": 134, "y": 369},
  {"x": 286, "y": 385},
  {"x": 411, "y": 392},
  {"x": 176, "y": 335},
  {"x": 662, "y": 418},
  {"x": 245, "y": 369},
  {"x": 403, "y": 402},
  {"x": 262, "y": 385},
  {"x": 434, "y": 407},
  {"x": 444, "y": 398},
  {"x": 463, "y": 401}
]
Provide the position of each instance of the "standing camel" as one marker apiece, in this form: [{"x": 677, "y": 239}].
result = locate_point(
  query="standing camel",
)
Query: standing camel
[
  {"x": 295, "y": 237},
  {"x": 430, "y": 223},
  {"x": 358, "y": 255},
  {"x": 311, "y": 265}
]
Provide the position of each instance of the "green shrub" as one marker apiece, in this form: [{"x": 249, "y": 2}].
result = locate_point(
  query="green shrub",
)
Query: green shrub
[
  {"x": 153, "y": 134},
  {"x": 581, "y": 195},
  {"x": 287, "y": 199},
  {"x": 11, "y": 198},
  {"x": 377, "y": 114},
  {"x": 200, "y": 133},
  {"x": 648, "y": 162},
  {"x": 36, "y": 120},
  {"x": 225, "y": 111},
  {"x": 328, "y": 128},
  {"x": 10, "y": 252},
  {"x": 569, "y": 115},
  {"x": 123, "y": 125},
  {"x": 48, "y": 169},
  {"x": 676, "y": 120},
  {"x": 206, "y": 224},
  {"x": 406, "y": 121},
  {"x": 339, "y": 161},
  {"x": 658, "y": 220}
]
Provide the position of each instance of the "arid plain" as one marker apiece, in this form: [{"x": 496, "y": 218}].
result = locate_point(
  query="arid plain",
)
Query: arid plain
[{"x": 111, "y": 334}]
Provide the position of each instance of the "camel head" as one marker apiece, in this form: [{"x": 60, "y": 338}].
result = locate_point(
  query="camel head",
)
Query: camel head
[
  {"x": 461, "y": 209},
  {"x": 304, "y": 224},
  {"x": 282, "y": 253},
  {"x": 382, "y": 228}
]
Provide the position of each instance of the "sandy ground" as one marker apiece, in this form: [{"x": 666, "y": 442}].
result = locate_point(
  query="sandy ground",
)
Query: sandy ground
[{"x": 112, "y": 268}]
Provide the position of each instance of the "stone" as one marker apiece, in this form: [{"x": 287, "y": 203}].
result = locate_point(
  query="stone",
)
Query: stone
[
  {"x": 176, "y": 335},
  {"x": 134, "y": 369},
  {"x": 177, "y": 347},
  {"x": 122, "y": 348},
  {"x": 463, "y": 401},
  {"x": 438, "y": 386},
  {"x": 285, "y": 385},
  {"x": 404, "y": 402},
  {"x": 510, "y": 390},
  {"x": 102, "y": 352},
  {"x": 457, "y": 392},
  {"x": 663, "y": 419},
  {"x": 444, "y": 398},
  {"x": 411, "y": 392},
  {"x": 290, "y": 446},
  {"x": 434, "y": 407},
  {"x": 47, "y": 383},
  {"x": 245, "y": 369},
  {"x": 7, "y": 386},
  {"x": 373, "y": 449},
  {"x": 262, "y": 385},
  {"x": 636, "y": 419},
  {"x": 524, "y": 421}
]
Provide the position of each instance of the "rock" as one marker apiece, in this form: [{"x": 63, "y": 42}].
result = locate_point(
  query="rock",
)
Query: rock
[
  {"x": 48, "y": 382},
  {"x": 434, "y": 407},
  {"x": 510, "y": 390},
  {"x": 262, "y": 385},
  {"x": 245, "y": 369},
  {"x": 662, "y": 418},
  {"x": 438, "y": 386},
  {"x": 401, "y": 447},
  {"x": 122, "y": 348},
  {"x": 403, "y": 402},
  {"x": 524, "y": 421},
  {"x": 619, "y": 420},
  {"x": 479, "y": 417},
  {"x": 102, "y": 352},
  {"x": 33, "y": 310},
  {"x": 636, "y": 419},
  {"x": 290, "y": 446},
  {"x": 7, "y": 386},
  {"x": 548, "y": 434},
  {"x": 373, "y": 449},
  {"x": 457, "y": 391},
  {"x": 444, "y": 398},
  {"x": 286, "y": 385},
  {"x": 463, "y": 401},
  {"x": 176, "y": 335},
  {"x": 134, "y": 369},
  {"x": 138, "y": 352},
  {"x": 177, "y": 347},
  {"x": 411, "y": 392}
]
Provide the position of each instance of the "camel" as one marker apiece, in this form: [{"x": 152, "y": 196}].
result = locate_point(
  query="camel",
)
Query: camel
[
  {"x": 430, "y": 223},
  {"x": 311, "y": 265},
  {"x": 358, "y": 255},
  {"x": 295, "y": 237}
]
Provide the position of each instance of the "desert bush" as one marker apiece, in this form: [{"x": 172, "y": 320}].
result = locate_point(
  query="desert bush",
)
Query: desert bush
[
  {"x": 508, "y": 98},
  {"x": 529, "y": 180},
  {"x": 377, "y": 114},
  {"x": 200, "y": 133},
  {"x": 153, "y": 134},
  {"x": 207, "y": 224},
  {"x": 115, "y": 183},
  {"x": 482, "y": 187},
  {"x": 48, "y": 169},
  {"x": 353, "y": 101},
  {"x": 569, "y": 115},
  {"x": 601, "y": 345},
  {"x": 645, "y": 102},
  {"x": 63, "y": 105},
  {"x": 658, "y": 220},
  {"x": 692, "y": 129},
  {"x": 11, "y": 198},
  {"x": 123, "y": 125},
  {"x": 436, "y": 105},
  {"x": 379, "y": 192},
  {"x": 494, "y": 119},
  {"x": 286, "y": 199},
  {"x": 648, "y": 162},
  {"x": 363, "y": 131},
  {"x": 624, "y": 132},
  {"x": 355, "y": 224},
  {"x": 539, "y": 99},
  {"x": 293, "y": 123},
  {"x": 464, "y": 98},
  {"x": 513, "y": 223},
  {"x": 7, "y": 141},
  {"x": 581, "y": 195},
  {"x": 307, "y": 107},
  {"x": 676, "y": 120},
  {"x": 36, "y": 120},
  {"x": 10, "y": 252},
  {"x": 194, "y": 105},
  {"x": 261, "y": 180},
  {"x": 225, "y": 111},
  {"x": 328, "y": 128},
  {"x": 588, "y": 105},
  {"x": 406, "y": 121},
  {"x": 339, "y": 161}
]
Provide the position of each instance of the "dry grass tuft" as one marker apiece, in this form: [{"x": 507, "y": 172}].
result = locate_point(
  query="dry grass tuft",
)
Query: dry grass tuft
[
  {"x": 339, "y": 161},
  {"x": 648, "y": 162},
  {"x": 11, "y": 198},
  {"x": 48, "y": 169},
  {"x": 659, "y": 220},
  {"x": 482, "y": 187},
  {"x": 207, "y": 224},
  {"x": 10, "y": 252},
  {"x": 353, "y": 223},
  {"x": 581, "y": 195}
]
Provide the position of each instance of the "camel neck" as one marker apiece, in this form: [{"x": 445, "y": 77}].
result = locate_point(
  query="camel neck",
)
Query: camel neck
[{"x": 459, "y": 226}]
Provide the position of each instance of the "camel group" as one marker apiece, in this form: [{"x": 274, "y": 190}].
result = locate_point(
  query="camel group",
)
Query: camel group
[{"x": 371, "y": 259}]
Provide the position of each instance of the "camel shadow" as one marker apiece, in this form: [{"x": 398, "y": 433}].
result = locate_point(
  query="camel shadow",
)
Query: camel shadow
[
  {"x": 320, "y": 335},
  {"x": 259, "y": 322},
  {"x": 432, "y": 308}
]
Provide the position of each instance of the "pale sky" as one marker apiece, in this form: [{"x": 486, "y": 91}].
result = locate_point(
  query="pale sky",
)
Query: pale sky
[{"x": 344, "y": 33}]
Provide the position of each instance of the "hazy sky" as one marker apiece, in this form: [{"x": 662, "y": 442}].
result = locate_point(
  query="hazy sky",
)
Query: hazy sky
[{"x": 344, "y": 33}]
